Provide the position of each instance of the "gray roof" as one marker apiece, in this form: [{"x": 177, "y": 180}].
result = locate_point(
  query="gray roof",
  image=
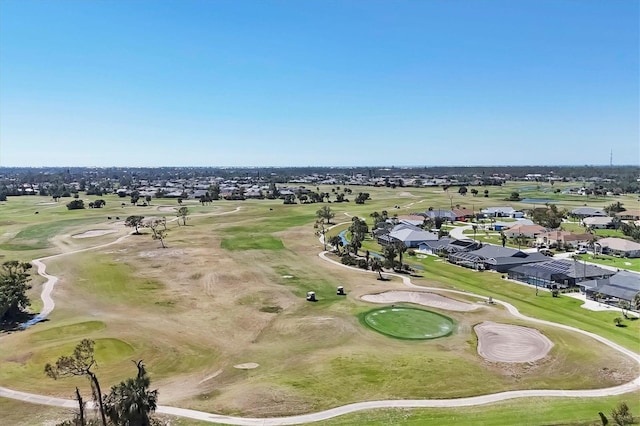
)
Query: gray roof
[
  {"x": 491, "y": 251},
  {"x": 588, "y": 211},
  {"x": 623, "y": 285},
  {"x": 553, "y": 269}
]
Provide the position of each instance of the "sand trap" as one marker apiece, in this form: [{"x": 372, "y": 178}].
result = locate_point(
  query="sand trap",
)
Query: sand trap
[
  {"x": 166, "y": 209},
  {"x": 287, "y": 276},
  {"x": 94, "y": 233},
  {"x": 247, "y": 366},
  {"x": 421, "y": 298},
  {"x": 405, "y": 194},
  {"x": 511, "y": 343}
]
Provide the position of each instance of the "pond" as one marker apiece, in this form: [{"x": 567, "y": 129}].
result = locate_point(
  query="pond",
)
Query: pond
[{"x": 538, "y": 200}]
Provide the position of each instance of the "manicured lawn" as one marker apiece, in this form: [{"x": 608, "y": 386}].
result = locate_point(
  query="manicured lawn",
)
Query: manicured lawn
[
  {"x": 408, "y": 323},
  {"x": 252, "y": 242},
  {"x": 616, "y": 262}
]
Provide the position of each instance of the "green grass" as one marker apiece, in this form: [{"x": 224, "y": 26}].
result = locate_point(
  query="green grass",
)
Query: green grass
[
  {"x": 67, "y": 331},
  {"x": 525, "y": 412},
  {"x": 616, "y": 262},
  {"x": 252, "y": 242},
  {"x": 37, "y": 236},
  {"x": 564, "y": 309},
  {"x": 408, "y": 323}
]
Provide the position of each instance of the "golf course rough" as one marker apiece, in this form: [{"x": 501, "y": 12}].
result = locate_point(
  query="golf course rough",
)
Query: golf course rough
[{"x": 408, "y": 323}]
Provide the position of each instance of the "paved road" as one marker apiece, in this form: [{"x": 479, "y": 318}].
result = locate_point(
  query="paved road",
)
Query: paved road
[{"x": 632, "y": 386}]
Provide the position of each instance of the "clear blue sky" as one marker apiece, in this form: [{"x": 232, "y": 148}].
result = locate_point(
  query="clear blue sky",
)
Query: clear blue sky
[{"x": 306, "y": 83}]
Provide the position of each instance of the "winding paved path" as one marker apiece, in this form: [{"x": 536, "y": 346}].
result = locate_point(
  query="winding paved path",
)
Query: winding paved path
[{"x": 634, "y": 385}]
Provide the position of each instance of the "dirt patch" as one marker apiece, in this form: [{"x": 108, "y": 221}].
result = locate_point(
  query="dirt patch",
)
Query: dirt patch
[
  {"x": 511, "y": 343},
  {"x": 247, "y": 366},
  {"x": 406, "y": 194},
  {"x": 94, "y": 233},
  {"x": 166, "y": 209},
  {"x": 420, "y": 298}
]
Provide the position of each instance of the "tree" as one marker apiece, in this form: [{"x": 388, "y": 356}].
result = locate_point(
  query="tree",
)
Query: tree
[
  {"x": 79, "y": 364},
  {"x": 462, "y": 190},
  {"x": 134, "y": 222},
  {"x": 401, "y": 248},
  {"x": 135, "y": 196},
  {"x": 376, "y": 266},
  {"x": 515, "y": 196},
  {"x": 618, "y": 321},
  {"x": 474, "y": 192},
  {"x": 624, "y": 307},
  {"x": 336, "y": 241},
  {"x": 621, "y": 415},
  {"x": 486, "y": 193},
  {"x": 636, "y": 301},
  {"x": 130, "y": 402},
  {"x": 389, "y": 253},
  {"x": 183, "y": 212},
  {"x": 75, "y": 205},
  {"x": 548, "y": 217},
  {"x": 14, "y": 284},
  {"x": 325, "y": 214}
]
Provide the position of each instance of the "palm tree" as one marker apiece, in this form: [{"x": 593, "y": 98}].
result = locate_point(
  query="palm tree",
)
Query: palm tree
[
  {"x": 636, "y": 301},
  {"x": 376, "y": 266},
  {"x": 336, "y": 242},
  {"x": 131, "y": 401},
  {"x": 390, "y": 254},
  {"x": 400, "y": 249}
]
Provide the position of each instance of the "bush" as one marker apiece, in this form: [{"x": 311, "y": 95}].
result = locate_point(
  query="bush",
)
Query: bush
[{"x": 75, "y": 205}]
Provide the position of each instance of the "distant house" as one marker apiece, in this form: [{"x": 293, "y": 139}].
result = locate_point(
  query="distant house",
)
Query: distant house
[
  {"x": 619, "y": 247},
  {"x": 623, "y": 285},
  {"x": 598, "y": 222},
  {"x": 561, "y": 238},
  {"x": 557, "y": 273},
  {"x": 629, "y": 214},
  {"x": 495, "y": 258},
  {"x": 463, "y": 214},
  {"x": 445, "y": 214},
  {"x": 411, "y": 219},
  {"x": 529, "y": 231},
  {"x": 583, "y": 212},
  {"x": 498, "y": 211},
  {"x": 411, "y": 235},
  {"x": 447, "y": 245}
]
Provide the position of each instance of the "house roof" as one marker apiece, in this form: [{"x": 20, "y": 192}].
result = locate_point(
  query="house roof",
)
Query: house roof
[
  {"x": 623, "y": 285},
  {"x": 597, "y": 220},
  {"x": 619, "y": 244},
  {"x": 556, "y": 269},
  {"x": 527, "y": 229},
  {"x": 493, "y": 210},
  {"x": 588, "y": 211},
  {"x": 406, "y": 234}
]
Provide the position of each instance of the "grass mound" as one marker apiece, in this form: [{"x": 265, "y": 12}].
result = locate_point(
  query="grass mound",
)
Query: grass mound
[
  {"x": 408, "y": 323},
  {"x": 67, "y": 331}
]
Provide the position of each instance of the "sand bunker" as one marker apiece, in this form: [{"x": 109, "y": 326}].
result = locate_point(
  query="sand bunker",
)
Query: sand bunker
[
  {"x": 420, "y": 298},
  {"x": 166, "y": 209},
  {"x": 511, "y": 343},
  {"x": 247, "y": 366},
  {"x": 94, "y": 233}
]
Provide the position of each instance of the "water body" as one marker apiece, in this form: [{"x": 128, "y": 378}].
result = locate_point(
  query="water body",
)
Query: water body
[{"x": 538, "y": 200}]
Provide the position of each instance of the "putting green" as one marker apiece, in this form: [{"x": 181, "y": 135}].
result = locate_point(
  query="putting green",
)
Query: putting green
[{"x": 408, "y": 323}]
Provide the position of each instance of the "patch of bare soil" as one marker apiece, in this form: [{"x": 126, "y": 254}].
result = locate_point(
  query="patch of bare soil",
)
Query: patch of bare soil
[
  {"x": 420, "y": 298},
  {"x": 94, "y": 233},
  {"x": 511, "y": 343}
]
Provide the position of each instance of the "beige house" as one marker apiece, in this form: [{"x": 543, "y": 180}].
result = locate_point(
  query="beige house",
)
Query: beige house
[
  {"x": 619, "y": 247},
  {"x": 529, "y": 231},
  {"x": 560, "y": 238},
  {"x": 598, "y": 222}
]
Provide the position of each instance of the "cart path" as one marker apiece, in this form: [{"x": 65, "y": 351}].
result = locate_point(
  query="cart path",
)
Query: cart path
[{"x": 631, "y": 386}]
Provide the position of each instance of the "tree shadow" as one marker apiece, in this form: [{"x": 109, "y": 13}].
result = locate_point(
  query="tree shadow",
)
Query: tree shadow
[{"x": 18, "y": 322}]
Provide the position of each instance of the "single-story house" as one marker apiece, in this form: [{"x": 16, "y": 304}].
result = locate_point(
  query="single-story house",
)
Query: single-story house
[
  {"x": 619, "y": 247},
  {"x": 529, "y": 231},
  {"x": 463, "y": 214},
  {"x": 410, "y": 235},
  {"x": 623, "y": 285},
  {"x": 412, "y": 219},
  {"x": 583, "y": 212},
  {"x": 629, "y": 214},
  {"x": 447, "y": 245},
  {"x": 445, "y": 214},
  {"x": 498, "y": 211},
  {"x": 598, "y": 222},
  {"x": 495, "y": 258},
  {"x": 560, "y": 273},
  {"x": 560, "y": 238}
]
